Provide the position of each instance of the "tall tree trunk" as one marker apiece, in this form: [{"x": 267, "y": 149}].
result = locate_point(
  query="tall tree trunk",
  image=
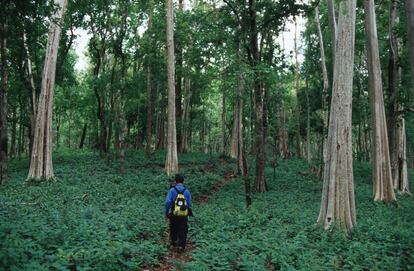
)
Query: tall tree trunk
[
  {"x": 171, "y": 163},
  {"x": 401, "y": 180},
  {"x": 308, "y": 132},
  {"x": 41, "y": 162},
  {"x": 333, "y": 26},
  {"x": 3, "y": 102},
  {"x": 34, "y": 96},
  {"x": 82, "y": 141},
  {"x": 393, "y": 92},
  {"x": 338, "y": 202},
  {"x": 324, "y": 90},
  {"x": 149, "y": 84},
  {"x": 237, "y": 133},
  {"x": 12, "y": 152},
  {"x": 179, "y": 80},
  {"x": 381, "y": 167},
  {"x": 282, "y": 134},
  {"x": 297, "y": 110},
  {"x": 260, "y": 180},
  {"x": 185, "y": 122},
  {"x": 21, "y": 131},
  {"x": 223, "y": 123},
  {"x": 409, "y": 8}
]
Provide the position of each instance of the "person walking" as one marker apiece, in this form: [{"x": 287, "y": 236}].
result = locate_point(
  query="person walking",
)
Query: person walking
[{"x": 177, "y": 210}]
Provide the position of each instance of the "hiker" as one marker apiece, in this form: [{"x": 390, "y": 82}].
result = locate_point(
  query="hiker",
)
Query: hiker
[{"x": 177, "y": 210}]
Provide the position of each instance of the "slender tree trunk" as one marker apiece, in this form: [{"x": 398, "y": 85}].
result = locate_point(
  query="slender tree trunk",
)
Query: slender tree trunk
[
  {"x": 282, "y": 134},
  {"x": 324, "y": 90},
  {"x": 332, "y": 25},
  {"x": 41, "y": 162},
  {"x": 82, "y": 141},
  {"x": 237, "y": 133},
  {"x": 297, "y": 111},
  {"x": 171, "y": 163},
  {"x": 185, "y": 122},
  {"x": 149, "y": 85},
  {"x": 179, "y": 79},
  {"x": 401, "y": 180},
  {"x": 409, "y": 8},
  {"x": 338, "y": 202},
  {"x": 308, "y": 132},
  {"x": 12, "y": 152},
  {"x": 223, "y": 123},
  {"x": 3, "y": 102},
  {"x": 381, "y": 167},
  {"x": 393, "y": 93}
]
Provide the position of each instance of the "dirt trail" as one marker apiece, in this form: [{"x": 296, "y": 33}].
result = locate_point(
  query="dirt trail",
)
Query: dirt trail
[{"x": 174, "y": 258}]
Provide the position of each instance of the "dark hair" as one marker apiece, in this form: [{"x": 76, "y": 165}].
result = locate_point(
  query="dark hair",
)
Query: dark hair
[{"x": 179, "y": 178}]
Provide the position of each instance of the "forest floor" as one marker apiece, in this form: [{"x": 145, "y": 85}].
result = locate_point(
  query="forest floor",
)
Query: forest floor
[{"x": 95, "y": 219}]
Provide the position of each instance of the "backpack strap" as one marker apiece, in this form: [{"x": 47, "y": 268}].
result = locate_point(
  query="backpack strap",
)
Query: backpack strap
[{"x": 178, "y": 191}]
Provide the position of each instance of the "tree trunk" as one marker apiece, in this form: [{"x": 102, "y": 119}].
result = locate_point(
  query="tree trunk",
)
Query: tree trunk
[
  {"x": 12, "y": 152},
  {"x": 338, "y": 202},
  {"x": 409, "y": 8},
  {"x": 401, "y": 180},
  {"x": 185, "y": 122},
  {"x": 41, "y": 162},
  {"x": 178, "y": 86},
  {"x": 333, "y": 26},
  {"x": 324, "y": 90},
  {"x": 171, "y": 163},
  {"x": 393, "y": 93},
  {"x": 149, "y": 84},
  {"x": 308, "y": 132},
  {"x": 381, "y": 167},
  {"x": 223, "y": 123},
  {"x": 3, "y": 102},
  {"x": 282, "y": 134},
  {"x": 82, "y": 141},
  {"x": 297, "y": 111}
]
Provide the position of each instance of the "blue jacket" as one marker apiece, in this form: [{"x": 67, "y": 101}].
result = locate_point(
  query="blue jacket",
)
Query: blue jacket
[{"x": 172, "y": 194}]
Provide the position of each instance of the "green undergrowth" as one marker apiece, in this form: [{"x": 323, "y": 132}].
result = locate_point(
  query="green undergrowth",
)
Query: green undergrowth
[
  {"x": 103, "y": 221},
  {"x": 279, "y": 232},
  {"x": 90, "y": 214}
]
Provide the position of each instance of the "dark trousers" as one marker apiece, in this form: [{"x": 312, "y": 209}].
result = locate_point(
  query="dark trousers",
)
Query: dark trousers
[{"x": 178, "y": 231}]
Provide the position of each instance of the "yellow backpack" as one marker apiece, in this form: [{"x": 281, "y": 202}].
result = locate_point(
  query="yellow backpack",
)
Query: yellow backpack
[{"x": 180, "y": 207}]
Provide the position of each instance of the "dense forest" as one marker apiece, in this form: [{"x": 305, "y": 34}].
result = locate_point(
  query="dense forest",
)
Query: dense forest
[{"x": 292, "y": 122}]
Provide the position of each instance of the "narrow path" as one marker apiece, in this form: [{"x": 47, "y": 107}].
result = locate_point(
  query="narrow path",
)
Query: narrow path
[{"x": 170, "y": 261}]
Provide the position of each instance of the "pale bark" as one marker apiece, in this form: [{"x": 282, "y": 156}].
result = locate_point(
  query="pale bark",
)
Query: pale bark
[
  {"x": 237, "y": 132},
  {"x": 338, "y": 203},
  {"x": 401, "y": 179},
  {"x": 409, "y": 8},
  {"x": 283, "y": 146},
  {"x": 149, "y": 84},
  {"x": 171, "y": 164},
  {"x": 381, "y": 167},
  {"x": 297, "y": 110},
  {"x": 324, "y": 90},
  {"x": 41, "y": 158},
  {"x": 185, "y": 121},
  {"x": 3, "y": 103},
  {"x": 223, "y": 122}
]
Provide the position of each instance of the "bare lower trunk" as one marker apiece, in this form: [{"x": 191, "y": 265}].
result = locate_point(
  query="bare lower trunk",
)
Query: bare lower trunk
[
  {"x": 12, "y": 152},
  {"x": 401, "y": 180},
  {"x": 185, "y": 121},
  {"x": 3, "y": 103},
  {"x": 41, "y": 158},
  {"x": 223, "y": 123},
  {"x": 149, "y": 86},
  {"x": 82, "y": 141},
  {"x": 338, "y": 203},
  {"x": 324, "y": 90},
  {"x": 282, "y": 134},
  {"x": 297, "y": 110},
  {"x": 381, "y": 167},
  {"x": 237, "y": 133},
  {"x": 171, "y": 163},
  {"x": 333, "y": 26},
  {"x": 409, "y": 8}
]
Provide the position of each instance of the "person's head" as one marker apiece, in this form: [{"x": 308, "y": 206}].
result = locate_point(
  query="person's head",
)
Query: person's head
[{"x": 179, "y": 178}]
